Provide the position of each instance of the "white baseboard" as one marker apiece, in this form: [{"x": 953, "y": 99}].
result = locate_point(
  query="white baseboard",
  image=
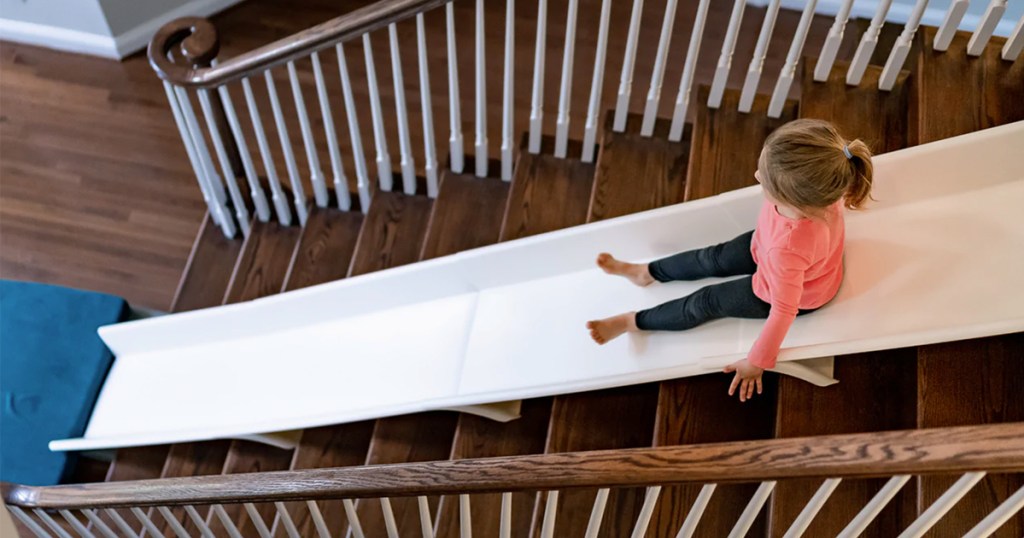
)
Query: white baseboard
[
  {"x": 898, "y": 13},
  {"x": 107, "y": 46},
  {"x": 53, "y": 37}
]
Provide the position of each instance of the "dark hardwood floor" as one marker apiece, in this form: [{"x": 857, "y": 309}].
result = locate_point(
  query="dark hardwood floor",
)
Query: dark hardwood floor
[{"x": 96, "y": 190}]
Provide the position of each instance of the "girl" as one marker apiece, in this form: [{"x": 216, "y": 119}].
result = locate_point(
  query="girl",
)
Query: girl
[{"x": 794, "y": 256}]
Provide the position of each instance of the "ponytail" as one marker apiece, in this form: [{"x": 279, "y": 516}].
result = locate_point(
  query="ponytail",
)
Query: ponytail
[{"x": 858, "y": 189}]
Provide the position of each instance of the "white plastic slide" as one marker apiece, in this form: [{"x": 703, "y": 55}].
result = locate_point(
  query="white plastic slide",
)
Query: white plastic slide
[{"x": 939, "y": 256}]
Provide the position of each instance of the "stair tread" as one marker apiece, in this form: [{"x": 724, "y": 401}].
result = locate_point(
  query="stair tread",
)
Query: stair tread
[
  {"x": 636, "y": 173},
  {"x": 192, "y": 459},
  {"x": 717, "y": 166},
  {"x": 263, "y": 262},
  {"x": 959, "y": 94},
  {"x": 606, "y": 419},
  {"x": 250, "y": 457},
  {"x": 467, "y": 214},
  {"x": 698, "y": 410},
  {"x": 392, "y": 232},
  {"x": 547, "y": 193},
  {"x": 208, "y": 270},
  {"x": 971, "y": 382},
  {"x": 343, "y": 445},
  {"x": 877, "y": 118},
  {"x": 406, "y": 438},
  {"x": 806, "y": 410},
  {"x": 325, "y": 248},
  {"x": 478, "y": 437},
  {"x": 723, "y": 157}
]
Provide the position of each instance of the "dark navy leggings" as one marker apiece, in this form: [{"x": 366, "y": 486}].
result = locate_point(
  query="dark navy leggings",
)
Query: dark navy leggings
[{"x": 730, "y": 299}]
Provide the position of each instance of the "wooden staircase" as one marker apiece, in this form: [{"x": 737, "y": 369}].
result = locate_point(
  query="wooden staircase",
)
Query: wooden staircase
[{"x": 971, "y": 382}]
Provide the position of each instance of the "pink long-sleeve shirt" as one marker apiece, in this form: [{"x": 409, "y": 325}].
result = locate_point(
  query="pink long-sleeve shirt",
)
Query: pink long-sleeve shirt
[{"x": 799, "y": 266}]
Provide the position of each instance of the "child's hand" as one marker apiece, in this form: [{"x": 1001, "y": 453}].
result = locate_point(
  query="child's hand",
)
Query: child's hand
[{"x": 747, "y": 377}]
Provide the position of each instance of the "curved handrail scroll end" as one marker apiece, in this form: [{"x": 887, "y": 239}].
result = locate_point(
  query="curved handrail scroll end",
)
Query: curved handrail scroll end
[{"x": 182, "y": 48}]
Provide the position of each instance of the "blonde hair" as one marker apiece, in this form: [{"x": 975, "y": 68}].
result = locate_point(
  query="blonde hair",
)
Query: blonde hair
[{"x": 805, "y": 165}]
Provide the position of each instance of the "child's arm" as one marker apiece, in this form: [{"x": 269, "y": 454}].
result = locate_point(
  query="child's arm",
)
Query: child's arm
[{"x": 785, "y": 274}]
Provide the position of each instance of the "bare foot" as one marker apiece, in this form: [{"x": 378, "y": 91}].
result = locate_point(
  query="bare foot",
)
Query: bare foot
[
  {"x": 637, "y": 273},
  {"x": 608, "y": 329}
]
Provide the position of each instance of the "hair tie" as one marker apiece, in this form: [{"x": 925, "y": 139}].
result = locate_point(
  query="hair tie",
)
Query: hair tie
[{"x": 846, "y": 151}]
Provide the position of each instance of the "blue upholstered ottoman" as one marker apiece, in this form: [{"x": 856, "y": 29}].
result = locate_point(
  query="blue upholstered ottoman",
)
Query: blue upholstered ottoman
[{"x": 52, "y": 366}]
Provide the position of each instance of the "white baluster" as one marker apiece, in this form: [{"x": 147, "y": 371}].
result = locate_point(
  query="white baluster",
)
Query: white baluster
[
  {"x": 757, "y": 62},
  {"x": 298, "y": 192},
  {"x": 45, "y": 518},
  {"x": 358, "y": 157},
  {"x": 658, "y": 73},
  {"x": 596, "y": 84},
  {"x": 259, "y": 198},
  {"x": 26, "y": 520},
  {"x": 802, "y": 521},
  {"x": 389, "y": 517},
  {"x": 465, "y": 517},
  {"x": 646, "y": 511},
  {"x": 565, "y": 89},
  {"x": 1000, "y": 515},
  {"x": 1014, "y": 43},
  {"x": 286, "y": 520},
  {"x": 986, "y": 26},
  {"x": 337, "y": 166},
  {"x": 955, "y": 13},
  {"x": 867, "y": 45},
  {"x": 901, "y": 49},
  {"x": 455, "y": 143},
  {"x": 426, "y": 526},
  {"x": 99, "y": 524},
  {"x": 120, "y": 523},
  {"x": 746, "y": 519},
  {"x": 176, "y": 525},
  {"x": 675, "y": 133},
  {"x": 257, "y": 520},
  {"x": 537, "y": 100},
  {"x": 318, "y": 520},
  {"x": 407, "y": 162},
  {"x": 213, "y": 179},
  {"x": 199, "y": 522},
  {"x": 383, "y": 158},
  {"x": 481, "y": 94},
  {"x": 241, "y": 212},
  {"x": 696, "y": 511},
  {"x": 76, "y": 524},
  {"x": 831, "y": 46},
  {"x": 214, "y": 206},
  {"x": 284, "y": 213},
  {"x": 725, "y": 58},
  {"x": 943, "y": 504},
  {"x": 628, "y": 63},
  {"x": 597, "y": 513},
  {"x": 353, "y": 519},
  {"x": 147, "y": 524},
  {"x": 225, "y": 520},
  {"x": 788, "y": 72},
  {"x": 505, "y": 523},
  {"x": 508, "y": 92},
  {"x": 547, "y": 527},
  {"x": 429, "y": 144},
  {"x": 316, "y": 174},
  {"x": 874, "y": 506}
]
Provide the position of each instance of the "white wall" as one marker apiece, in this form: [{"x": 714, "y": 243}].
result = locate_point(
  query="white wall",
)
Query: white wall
[{"x": 109, "y": 28}]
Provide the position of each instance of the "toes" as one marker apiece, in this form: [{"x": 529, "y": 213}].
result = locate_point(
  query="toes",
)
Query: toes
[{"x": 591, "y": 325}]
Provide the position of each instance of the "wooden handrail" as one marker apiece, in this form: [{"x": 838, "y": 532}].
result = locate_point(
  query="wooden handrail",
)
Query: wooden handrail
[
  {"x": 180, "y": 48},
  {"x": 992, "y": 448}
]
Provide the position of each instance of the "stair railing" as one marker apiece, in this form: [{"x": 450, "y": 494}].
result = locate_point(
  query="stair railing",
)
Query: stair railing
[
  {"x": 234, "y": 182},
  {"x": 969, "y": 453}
]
